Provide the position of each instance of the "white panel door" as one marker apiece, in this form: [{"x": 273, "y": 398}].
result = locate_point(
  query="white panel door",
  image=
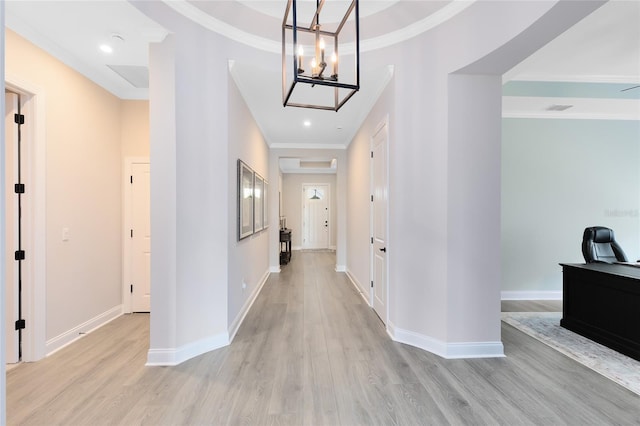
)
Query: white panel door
[
  {"x": 379, "y": 222},
  {"x": 315, "y": 220},
  {"x": 141, "y": 238},
  {"x": 11, "y": 234}
]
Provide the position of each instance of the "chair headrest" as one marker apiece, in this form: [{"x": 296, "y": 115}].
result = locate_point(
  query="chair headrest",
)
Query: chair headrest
[{"x": 600, "y": 234}]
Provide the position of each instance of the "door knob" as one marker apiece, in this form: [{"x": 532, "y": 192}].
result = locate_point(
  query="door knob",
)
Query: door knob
[{"x": 384, "y": 249}]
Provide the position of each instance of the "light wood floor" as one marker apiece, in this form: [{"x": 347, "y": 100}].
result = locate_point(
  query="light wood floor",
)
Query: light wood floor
[{"x": 310, "y": 352}]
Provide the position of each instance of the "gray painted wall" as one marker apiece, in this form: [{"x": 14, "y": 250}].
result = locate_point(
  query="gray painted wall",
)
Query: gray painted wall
[{"x": 558, "y": 177}]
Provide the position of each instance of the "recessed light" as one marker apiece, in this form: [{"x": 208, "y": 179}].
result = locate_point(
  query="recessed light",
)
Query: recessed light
[
  {"x": 105, "y": 48},
  {"x": 307, "y": 123}
]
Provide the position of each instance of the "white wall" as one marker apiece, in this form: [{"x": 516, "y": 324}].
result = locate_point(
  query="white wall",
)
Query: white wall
[
  {"x": 189, "y": 177},
  {"x": 162, "y": 136},
  {"x": 559, "y": 177},
  {"x": 190, "y": 187},
  {"x": 292, "y": 204},
  {"x": 83, "y": 166},
  {"x": 249, "y": 258},
  {"x": 359, "y": 190}
]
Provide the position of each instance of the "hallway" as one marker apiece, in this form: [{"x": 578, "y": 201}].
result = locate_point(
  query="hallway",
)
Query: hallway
[{"x": 310, "y": 351}]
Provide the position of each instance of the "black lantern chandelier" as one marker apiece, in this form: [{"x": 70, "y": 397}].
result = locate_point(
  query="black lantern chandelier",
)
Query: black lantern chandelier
[{"x": 309, "y": 81}]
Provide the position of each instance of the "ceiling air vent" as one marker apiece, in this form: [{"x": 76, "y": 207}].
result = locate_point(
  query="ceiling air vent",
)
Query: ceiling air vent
[
  {"x": 556, "y": 107},
  {"x": 137, "y": 76}
]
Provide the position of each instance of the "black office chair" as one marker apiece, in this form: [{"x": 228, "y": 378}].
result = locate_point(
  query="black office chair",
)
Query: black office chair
[{"x": 599, "y": 245}]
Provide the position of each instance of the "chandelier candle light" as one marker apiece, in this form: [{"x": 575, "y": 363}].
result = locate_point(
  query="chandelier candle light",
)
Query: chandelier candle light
[{"x": 320, "y": 86}]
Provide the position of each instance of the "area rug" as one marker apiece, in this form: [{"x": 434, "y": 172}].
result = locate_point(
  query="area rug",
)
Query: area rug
[{"x": 545, "y": 327}]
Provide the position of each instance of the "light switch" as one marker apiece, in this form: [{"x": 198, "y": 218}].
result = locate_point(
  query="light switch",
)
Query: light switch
[{"x": 65, "y": 234}]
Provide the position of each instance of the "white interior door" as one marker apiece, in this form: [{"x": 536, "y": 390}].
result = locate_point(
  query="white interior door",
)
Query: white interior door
[
  {"x": 11, "y": 235},
  {"x": 141, "y": 238},
  {"x": 315, "y": 220},
  {"x": 379, "y": 221}
]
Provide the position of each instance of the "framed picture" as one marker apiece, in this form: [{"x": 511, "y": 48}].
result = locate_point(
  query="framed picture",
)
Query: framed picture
[
  {"x": 265, "y": 202},
  {"x": 258, "y": 205},
  {"x": 245, "y": 200}
]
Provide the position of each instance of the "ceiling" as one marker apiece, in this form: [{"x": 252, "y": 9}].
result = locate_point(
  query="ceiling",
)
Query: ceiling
[{"x": 603, "y": 49}]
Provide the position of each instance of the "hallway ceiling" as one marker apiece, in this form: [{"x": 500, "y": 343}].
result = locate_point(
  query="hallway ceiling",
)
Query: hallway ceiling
[{"x": 604, "y": 49}]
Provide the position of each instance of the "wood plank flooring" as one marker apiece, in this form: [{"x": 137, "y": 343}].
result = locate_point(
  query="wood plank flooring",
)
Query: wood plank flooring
[{"x": 310, "y": 351}]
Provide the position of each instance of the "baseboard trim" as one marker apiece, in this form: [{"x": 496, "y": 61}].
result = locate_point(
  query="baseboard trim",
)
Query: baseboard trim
[
  {"x": 175, "y": 356},
  {"x": 235, "y": 325},
  {"x": 274, "y": 269},
  {"x": 55, "y": 344},
  {"x": 363, "y": 293},
  {"x": 341, "y": 268},
  {"x": 457, "y": 350},
  {"x": 531, "y": 295}
]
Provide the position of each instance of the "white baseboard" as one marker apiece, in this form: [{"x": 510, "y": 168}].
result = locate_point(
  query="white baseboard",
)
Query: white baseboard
[
  {"x": 235, "y": 325},
  {"x": 458, "y": 350},
  {"x": 175, "y": 356},
  {"x": 274, "y": 269},
  {"x": 68, "y": 337},
  {"x": 341, "y": 268},
  {"x": 364, "y": 293},
  {"x": 296, "y": 248},
  {"x": 531, "y": 295}
]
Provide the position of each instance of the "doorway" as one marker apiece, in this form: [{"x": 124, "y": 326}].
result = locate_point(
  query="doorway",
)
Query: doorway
[
  {"x": 315, "y": 216},
  {"x": 32, "y": 213},
  {"x": 379, "y": 224}
]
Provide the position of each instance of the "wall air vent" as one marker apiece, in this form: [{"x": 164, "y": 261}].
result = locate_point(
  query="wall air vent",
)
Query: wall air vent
[{"x": 556, "y": 107}]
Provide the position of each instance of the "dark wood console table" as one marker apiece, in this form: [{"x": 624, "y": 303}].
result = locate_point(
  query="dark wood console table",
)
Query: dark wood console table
[
  {"x": 602, "y": 302},
  {"x": 285, "y": 246}
]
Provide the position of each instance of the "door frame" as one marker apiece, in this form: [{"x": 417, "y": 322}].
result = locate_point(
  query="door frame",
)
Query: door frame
[
  {"x": 127, "y": 219},
  {"x": 34, "y": 218},
  {"x": 329, "y": 210},
  {"x": 10, "y": 267},
  {"x": 382, "y": 124}
]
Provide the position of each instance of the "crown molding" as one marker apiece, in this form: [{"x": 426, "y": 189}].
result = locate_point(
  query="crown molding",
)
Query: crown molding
[
  {"x": 417, "y": 28},
  {"x": 306, "y": 146},
  {"x": 209, "y": 22},
  {"x": 569, "y": 78},
  {"x": 559, "y": 115}
]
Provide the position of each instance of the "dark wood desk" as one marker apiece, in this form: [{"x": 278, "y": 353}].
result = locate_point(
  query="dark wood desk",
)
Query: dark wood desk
[
  {"x": 602, "y": 302},
  {"x": 285, "y": 246}
]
